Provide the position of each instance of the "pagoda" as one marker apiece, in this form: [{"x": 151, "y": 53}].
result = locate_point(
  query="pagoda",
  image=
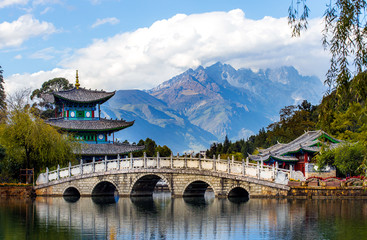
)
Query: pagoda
[
  {"x": 298, "y": 153},
  {"x": 78, "y": 112}
]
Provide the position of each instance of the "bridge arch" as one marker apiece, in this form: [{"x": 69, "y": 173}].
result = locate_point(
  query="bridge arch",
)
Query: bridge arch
[
  {"x": 238, "y": 191},
  {"x": 71, "y": 191},
  {"x": 104, "y": 188},
  {"x": 144, "y": 184},
  {"x": 197, "y": 188}
]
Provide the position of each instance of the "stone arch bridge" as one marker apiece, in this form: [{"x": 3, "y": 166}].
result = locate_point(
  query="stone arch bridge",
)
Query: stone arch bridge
[{"x": 184, "y": 176}]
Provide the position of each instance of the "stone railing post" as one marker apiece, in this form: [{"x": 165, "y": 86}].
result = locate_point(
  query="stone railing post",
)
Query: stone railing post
[
  {"x": 158, "y": 161},
  {"x": 69, "y": 168},
  {"x": 247, "y": 162},
  {"x": 258, "y": 169},
  {"x": 199, "y": 161},
  {"x": 145, "y": 160},
  {"x": 185, "y": 161},
  {"x": 171, "y": 160},
  {"x": 218, "y": 159},
  {"x": 229, "y": 165},
  {"x": 214, "y": 161},
  {"x": 94, "y": 164},
  {"x": 291, "y": 170},
  {"x": 118, "y": 162},
  {"x": 261, "y": 164},
  {"x": 81, "y": 167},
  {"x": 243, "y": 167},
  {"x": 132, "y": 161},
  {"x": 58, "y": 171},
  {"x": 232, "y": 159},
  {"x": 105, "y": 163},
  {"x": 47, "y": 174},
  {"x": 178, "y": 157}
]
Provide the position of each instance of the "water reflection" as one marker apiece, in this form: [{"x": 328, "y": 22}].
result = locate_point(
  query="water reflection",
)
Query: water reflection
[
  {"x": 71, "y": 199},
  {"x": 161, "y": 217},
  {"x": 238, "y": 200},
  {"x": 102, "y": 200}
]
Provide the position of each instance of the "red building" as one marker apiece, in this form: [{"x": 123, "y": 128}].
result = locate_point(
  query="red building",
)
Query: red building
[{"x": 298, "y": 153}]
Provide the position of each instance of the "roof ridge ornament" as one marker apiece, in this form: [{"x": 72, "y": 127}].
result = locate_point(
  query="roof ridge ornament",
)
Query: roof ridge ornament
[{"x": 77, "y": 85}]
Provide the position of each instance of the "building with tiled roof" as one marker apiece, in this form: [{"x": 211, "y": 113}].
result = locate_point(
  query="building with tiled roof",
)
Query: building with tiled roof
[
  {"x": 78, "y": 112},
  {"x": 298, "y": 152}
]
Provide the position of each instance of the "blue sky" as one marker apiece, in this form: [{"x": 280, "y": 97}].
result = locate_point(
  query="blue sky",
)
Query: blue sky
[{"x": 139, "y": 44}]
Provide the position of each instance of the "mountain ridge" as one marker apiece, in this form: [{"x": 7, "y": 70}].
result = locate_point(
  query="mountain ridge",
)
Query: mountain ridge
[{"x": 202, "y": 105}]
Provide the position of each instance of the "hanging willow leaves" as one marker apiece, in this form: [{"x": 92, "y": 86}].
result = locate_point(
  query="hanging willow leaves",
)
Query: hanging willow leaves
[
  {"x": 344, "y": 36},
  {"x": 32, "y": 143},
  {"x": 2, "y": 92}
]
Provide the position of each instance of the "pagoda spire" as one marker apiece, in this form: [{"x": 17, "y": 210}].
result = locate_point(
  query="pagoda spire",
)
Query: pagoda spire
[{"x": 77, "y": 85}]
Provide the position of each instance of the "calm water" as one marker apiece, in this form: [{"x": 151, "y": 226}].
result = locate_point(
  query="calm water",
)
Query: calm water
[{"x": 161, "y": 217}]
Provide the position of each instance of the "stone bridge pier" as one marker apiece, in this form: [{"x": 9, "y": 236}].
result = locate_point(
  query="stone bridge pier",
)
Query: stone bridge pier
[{"x": 181, "y": 183}]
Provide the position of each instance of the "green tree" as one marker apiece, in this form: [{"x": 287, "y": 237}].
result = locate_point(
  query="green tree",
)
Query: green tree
[
  {"x": 150, "y": 147},
  {"x": 226, "y": 145},
  {"x": 46, "y": 109},
  {"x": 351, "y": 125},
  {"x": 31, "y": 143},
  {"x": 52, "y": 85},
  {"x": 163, "y": 151},
  {"x": 347, "y": 158}
]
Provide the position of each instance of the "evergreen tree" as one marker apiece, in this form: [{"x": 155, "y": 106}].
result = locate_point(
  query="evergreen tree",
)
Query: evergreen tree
[
  {"x": 150, "y": 147},
  {"x": 163, "y": 151},
  {"x": 226, "y": 145}
]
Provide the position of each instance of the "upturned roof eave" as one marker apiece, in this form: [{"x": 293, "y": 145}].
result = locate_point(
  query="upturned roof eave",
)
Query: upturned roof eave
[
  {"x": 299, "y": 150},
  {"x": 98, "y": 152},
  {"x": 95, "y": 130},
  {"x": 100, "y": 100},
  {"x": 58, "y": 122},
  {"x": 283, "y": 160}
]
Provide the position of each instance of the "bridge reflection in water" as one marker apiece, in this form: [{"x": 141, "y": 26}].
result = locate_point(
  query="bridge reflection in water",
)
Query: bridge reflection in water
[{"x": 163, "y": 217}]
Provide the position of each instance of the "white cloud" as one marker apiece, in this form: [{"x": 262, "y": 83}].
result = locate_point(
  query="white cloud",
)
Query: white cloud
[
  {"x": 19, "y": 56},
  {"x": 45, "y": 2},
  {"x": 111, "y": 21},
  {"x": 13, "y": 34},
  {"x": 95, "y": 2},
  {"x": 148, "y": 56},
  {"x": 33, "y": 81},
  {"x": 46, "y": 10},
  {"x": 45, "y": 54},
  {"x": 50, "y": 53},
  {"x": 7, "y": 3}
]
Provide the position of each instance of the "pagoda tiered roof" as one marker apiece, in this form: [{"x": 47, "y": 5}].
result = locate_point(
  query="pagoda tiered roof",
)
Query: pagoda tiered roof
[
  {"x": 108, "y": 149},
  {"x": 79, "y": 95},
  {"x": 99, "y": 125},
  {"x": 310, "y": 141}
]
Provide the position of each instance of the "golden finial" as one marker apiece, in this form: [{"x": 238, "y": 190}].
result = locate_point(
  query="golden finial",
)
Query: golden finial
[{"x": 77, "y": 80}]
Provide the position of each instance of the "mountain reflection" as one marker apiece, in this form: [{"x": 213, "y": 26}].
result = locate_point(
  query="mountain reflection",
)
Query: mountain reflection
[{"x": 163, "y": 217}]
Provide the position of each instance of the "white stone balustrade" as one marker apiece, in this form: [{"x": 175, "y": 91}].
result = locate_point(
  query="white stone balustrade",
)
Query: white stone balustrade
[{"x": 244, "y": 168}]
